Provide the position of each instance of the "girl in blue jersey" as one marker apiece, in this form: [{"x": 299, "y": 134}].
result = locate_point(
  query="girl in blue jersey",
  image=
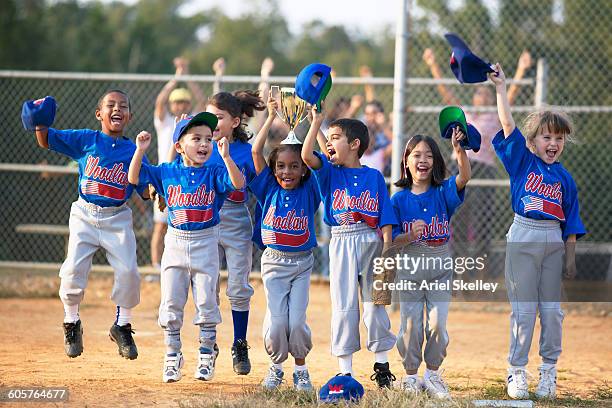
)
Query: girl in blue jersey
[
  {"x": 424, "y": 209},
  {"x": 289, "y": 198},
  {"x": 194, "y": 195},
  {"x": 236, "y": 228},
  {"x": 546, "y": 225}
]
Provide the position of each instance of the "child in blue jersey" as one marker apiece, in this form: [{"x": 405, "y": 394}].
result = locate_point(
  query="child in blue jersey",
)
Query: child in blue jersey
[
  {"x": 424, "y": 209},
  {"x": 194, "y": 194},
  {"x": 546, "y": 225},
  {"x": 236, "y": 229},
  {"x": 358, "y": 208},
  {"x": 289, "y": 198},
  {"x": 100, "y": 218}
]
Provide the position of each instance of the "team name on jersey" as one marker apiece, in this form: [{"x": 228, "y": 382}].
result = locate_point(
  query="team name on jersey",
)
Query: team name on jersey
[
  {"x": 201, "y": 197},
  {"x": 290, "y": 222},
  {"x": 434, "y": 229},
  {"x": 343, "y": 201},
  {"x": 534, "y": 184},
  {"x": 114, "y": 175}
]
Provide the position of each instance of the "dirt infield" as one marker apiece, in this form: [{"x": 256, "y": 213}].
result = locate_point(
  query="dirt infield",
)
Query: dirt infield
[{"x": 32, "y": 351}]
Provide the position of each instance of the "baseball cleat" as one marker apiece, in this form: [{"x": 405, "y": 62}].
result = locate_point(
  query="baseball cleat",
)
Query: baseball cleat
[
  {"x": 411, "y": 384},
  {"x": 301, "y": 381},
  {"x": 205, "y": 370},
  {"x": 435, "y": 385},
  {"x": 382, "y": 375},
  {"x": 547, "y": 387},
  {"x": 517, "y": 385},
  {"x": 240, "y": 357},
  {"x": 173, "y": 363},
  {"x": 122, "y": 335},
  {"x": 273, "y": 380},
  {"x": 73, "y": 339}
]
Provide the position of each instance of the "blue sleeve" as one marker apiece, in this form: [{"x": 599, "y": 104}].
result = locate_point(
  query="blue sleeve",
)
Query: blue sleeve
[
  {"x": 452, "y": 197},
  {"x": 571, "y": 209},
  {"x": 323, "y": 174},
  {"x": 314, "y": 192},
  {"x": 397, "y": 228},
  {"x": 221, "y": 179},
  {"x": 150, "y": 174},
  {"x": 250, "y": 172},
  {"x": 512, "y": 151},
  {"x": 262, "y": 183},
  {"x": 386, "y": 214},
  {"x": 68, "y": 142}
]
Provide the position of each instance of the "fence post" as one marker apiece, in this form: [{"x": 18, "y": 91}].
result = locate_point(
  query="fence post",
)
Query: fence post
[{"x": 541, "y": 87}]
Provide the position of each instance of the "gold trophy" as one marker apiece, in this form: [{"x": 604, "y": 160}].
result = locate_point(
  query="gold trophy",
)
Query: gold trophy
[{"x": 292, "y": 110}]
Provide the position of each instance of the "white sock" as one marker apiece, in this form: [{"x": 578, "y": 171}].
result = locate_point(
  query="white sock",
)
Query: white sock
[
  {"x": 547, "y": 366},
  {"x": 124, "y": 315},
  {"x": 429, "y": 373},
  {"x": 301, "y": 368},
  {"x": 71, "y": 313},
  {"x": 346, "y": 364},
  {"x": 381, "y": 357},
  {"x": 277, "y": 367}
]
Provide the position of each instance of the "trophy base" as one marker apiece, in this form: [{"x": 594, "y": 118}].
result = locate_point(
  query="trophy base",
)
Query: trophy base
[{"x": 291, "y": 139}]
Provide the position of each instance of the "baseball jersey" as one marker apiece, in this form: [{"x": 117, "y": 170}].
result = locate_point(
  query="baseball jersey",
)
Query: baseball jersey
[
  {"x": 287, "y": 222},
  {"x": 103, "y": 164},
  {"x": 436, "y": 206},
  {"x": 194, "y": 195},
  {"x": 352, "y": 196},
  {"x": 240, "y": 152},
  {"x": 539, "y": 190}
]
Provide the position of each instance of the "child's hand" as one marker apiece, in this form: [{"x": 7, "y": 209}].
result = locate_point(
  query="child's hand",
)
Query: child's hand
[
  {"x": 416, "y": 230},
  {"x": 266, "y": 67},
  {"x": 456, "y": 139},
  {"x": 524, "y": 61},
  {"x": 219, "y": 66},
  {"x": 317, "y": 117},
  {"x": 498, "y": 77},
  {"x": 143, "y": 140},
  {"x": 356, "y": 102},
  {"x": 272, "y": 105},
  {"x": 223, "y": 145},
  {"x": 429, "y": 57},
  {"x": 570, "y": 265}
]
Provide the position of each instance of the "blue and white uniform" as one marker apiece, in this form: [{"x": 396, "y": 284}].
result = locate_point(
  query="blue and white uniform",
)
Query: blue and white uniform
[
  {"x": 99, "y": 218},
  {"x": 436, "y": 206},
  {"x": 236, "y": 229},
  {"x": 545, "y": 202},
  {"x": 288, "y": 231},
  {"x": 356, "y": 203},
  {"x": 194, "y": 196}
]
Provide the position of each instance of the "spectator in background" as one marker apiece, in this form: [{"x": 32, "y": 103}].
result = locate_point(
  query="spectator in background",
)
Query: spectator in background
[
  {"x": 171, "y": 103},
  {"x": 473, "y": 234}
]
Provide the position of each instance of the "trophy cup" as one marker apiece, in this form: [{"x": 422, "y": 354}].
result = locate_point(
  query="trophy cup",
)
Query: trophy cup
[{"x": 292, "y": 110}]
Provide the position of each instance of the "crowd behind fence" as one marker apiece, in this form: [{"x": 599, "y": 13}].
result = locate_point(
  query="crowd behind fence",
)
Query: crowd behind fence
[{"x": 39, "y": 186}]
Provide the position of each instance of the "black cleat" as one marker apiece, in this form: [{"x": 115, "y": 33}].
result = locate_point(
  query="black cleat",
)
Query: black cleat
[
  {"x": 73, "y": 339},
  {"x": 122, "y": 335},
  {"x": 382, "y": 375},
  {"x": 240, "y": 357}
]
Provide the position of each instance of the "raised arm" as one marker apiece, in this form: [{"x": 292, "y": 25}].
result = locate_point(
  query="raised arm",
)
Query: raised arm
[
  {"x": 267, "y": 66},
  {"x": 219, "y": 70},
  {"x": 368, "y": 88},
  {"x": 308, "y": 155},
  {"x": 503, "y": 105},
  {"x": 447, "y": 96},
  {"x": 42, "y": 136},
  {"x": 463, "y": 163},
  {"x": 199, "y": 100},
  {"x": 262, "y": 135},
  {"x": 523, "y": 65},
  {"x": 235, "y": 174},
  {"x": 143, "y": 141},
  {"x": 161, "y": 102}
]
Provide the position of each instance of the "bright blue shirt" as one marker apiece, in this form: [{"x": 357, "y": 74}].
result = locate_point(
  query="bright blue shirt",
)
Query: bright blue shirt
[
  {"x": 352, "y": 196},
  {"x": 287, "y": 222},
  {"x": 194, "y": 195},
  {"x": 436, "y": 206},
  {"x": 103, "y": 164},
  {"x": 240, "y": 152},
  {"x": 539, "y": 190}
]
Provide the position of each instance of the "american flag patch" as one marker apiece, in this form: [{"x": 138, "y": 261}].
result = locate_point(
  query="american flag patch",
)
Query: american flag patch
[
  {"x": 237, "y": 196},
  {"x": 271, "y": 237},
  {"x": 91, "y": 187},
  {"x": 351, "y": 217},
  {"x": 180, "y": 217},
  {"x": 532, "y": 203}
]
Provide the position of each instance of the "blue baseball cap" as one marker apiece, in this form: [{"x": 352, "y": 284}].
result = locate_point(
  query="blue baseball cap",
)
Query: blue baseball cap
[
  {"x": 202, "y": 118},
  {"x": 341, "y": 387},
  {"x": 313, "y": 93},
  {"x": 467, "y": 67},
  {"x": 452, "y": 117}
]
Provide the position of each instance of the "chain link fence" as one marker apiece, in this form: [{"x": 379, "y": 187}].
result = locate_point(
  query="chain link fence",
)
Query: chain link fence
[{"x": 38, "y": 197}]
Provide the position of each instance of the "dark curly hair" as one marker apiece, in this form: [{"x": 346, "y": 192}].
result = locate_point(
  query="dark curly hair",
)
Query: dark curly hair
[{"x": 240, "y": 104}]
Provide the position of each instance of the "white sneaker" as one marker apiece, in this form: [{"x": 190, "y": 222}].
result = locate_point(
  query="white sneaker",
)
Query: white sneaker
[
  {"x": 435, "y": 385},
  {"x": 411, "y": 384},
  {"x": 206, "y": 363},
  {"x": 301, "y": 381},
  {"x": 547, "y": 387},
  {"x": 517, "y": 385},
  {"x": 172, "y": 367},
  {"x": 273, "y": 380}
]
